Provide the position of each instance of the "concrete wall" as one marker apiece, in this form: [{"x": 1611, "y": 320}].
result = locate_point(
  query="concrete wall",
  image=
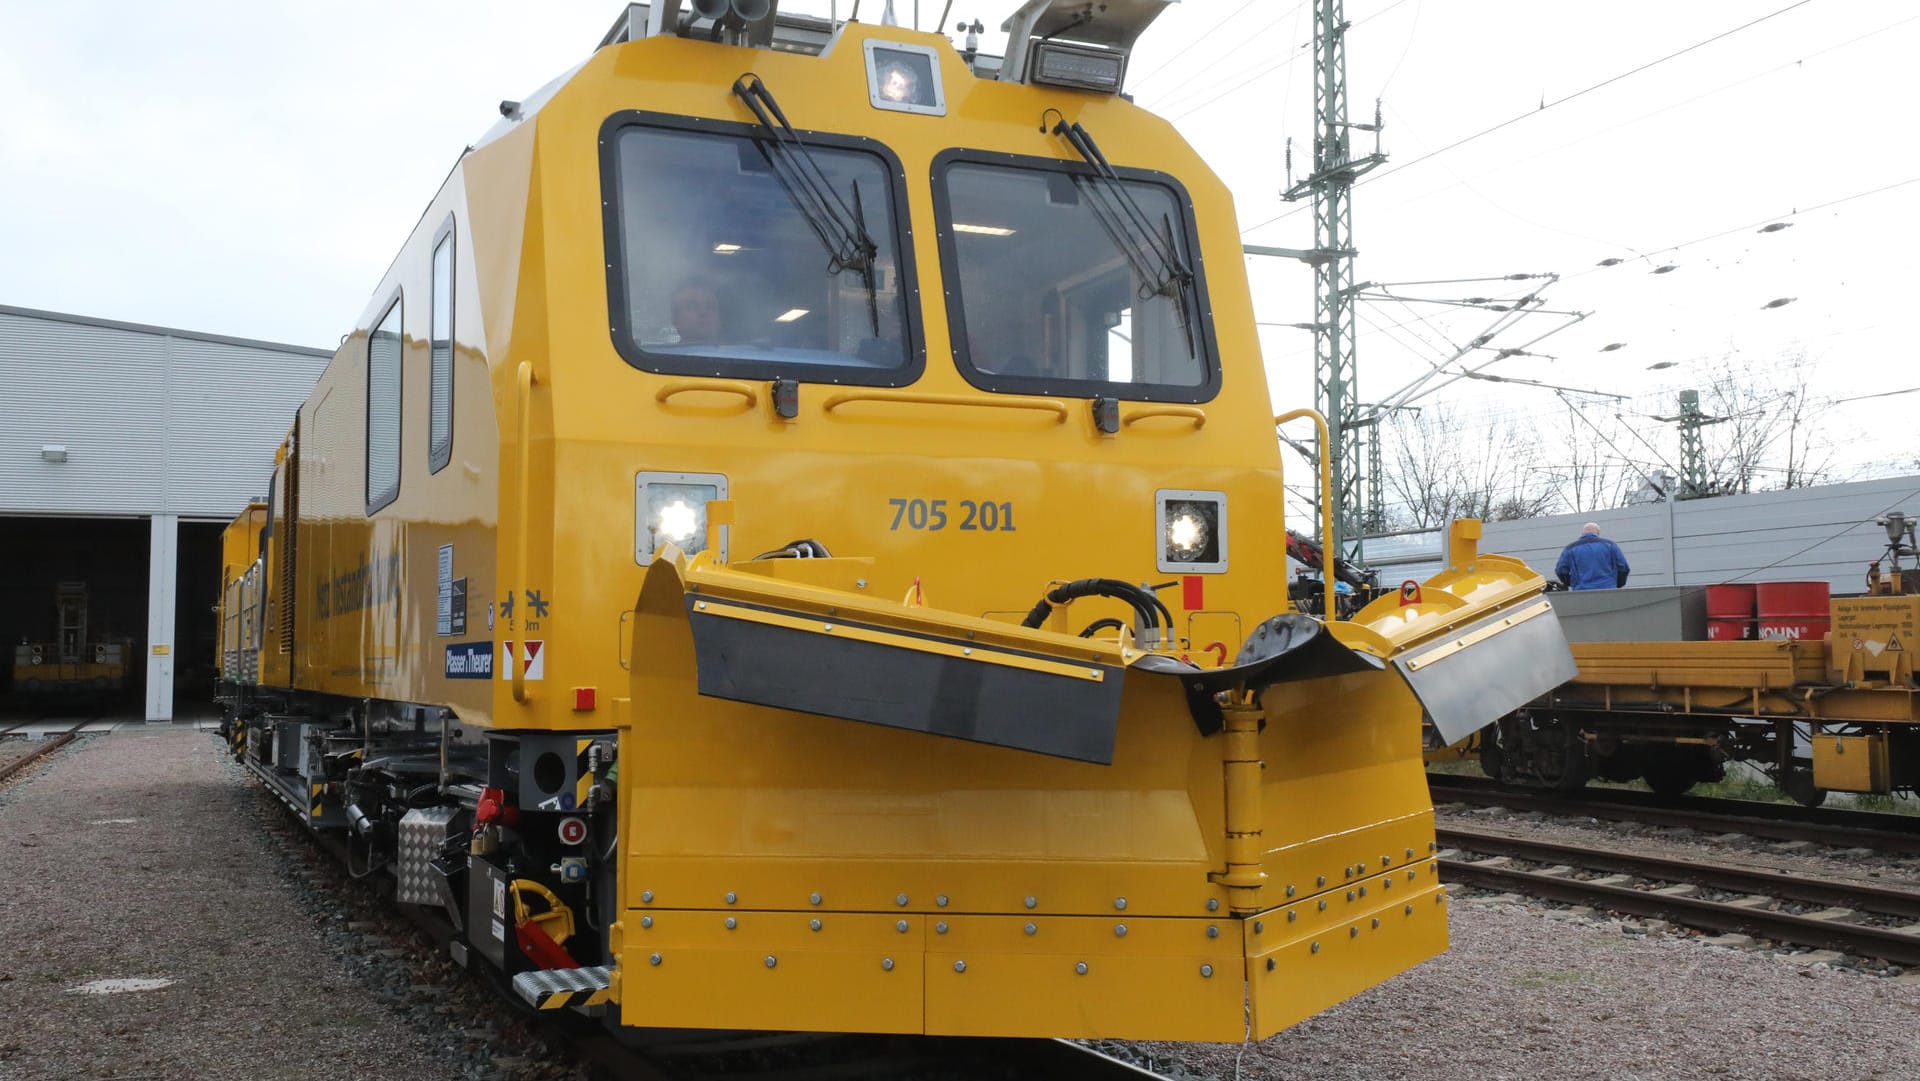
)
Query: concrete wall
[{"x": 1825, "y": 534}]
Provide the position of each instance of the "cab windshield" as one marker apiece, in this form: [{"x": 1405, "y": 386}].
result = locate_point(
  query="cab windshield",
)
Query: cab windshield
[
  {"x": 1051, "y": 298},
  {"x": 717, "y": 267}
]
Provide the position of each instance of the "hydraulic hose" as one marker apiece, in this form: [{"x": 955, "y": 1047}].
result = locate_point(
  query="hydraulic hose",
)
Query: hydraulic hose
[{"x": 1144, "y": 604}]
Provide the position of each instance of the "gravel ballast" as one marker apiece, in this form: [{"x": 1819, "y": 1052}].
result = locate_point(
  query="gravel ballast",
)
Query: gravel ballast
[
  {"x": 150, "y": 856},
  {"x": 1530, "y": 992},
  {"x": 142, "y": 856}
]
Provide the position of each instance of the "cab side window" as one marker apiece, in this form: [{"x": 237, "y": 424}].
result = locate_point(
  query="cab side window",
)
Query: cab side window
[
  {"x": 383, "y": 410},
  {"x": 440, "y": 378}
]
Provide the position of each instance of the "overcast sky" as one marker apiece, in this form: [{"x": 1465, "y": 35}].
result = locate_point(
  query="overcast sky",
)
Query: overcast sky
[{"x": 249, "y": 167}]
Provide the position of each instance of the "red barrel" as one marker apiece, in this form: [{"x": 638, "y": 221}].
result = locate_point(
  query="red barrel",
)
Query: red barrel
[
  {"x": 1730, "y": 612},
  {"x": 1792, "y": 610}
]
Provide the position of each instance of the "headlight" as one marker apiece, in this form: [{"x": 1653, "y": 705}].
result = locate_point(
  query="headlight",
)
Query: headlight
[
  {"x": 1187, "y": 533},
  {"x": 1192, "y": 530},
  {"x": 671, "y": 508}
]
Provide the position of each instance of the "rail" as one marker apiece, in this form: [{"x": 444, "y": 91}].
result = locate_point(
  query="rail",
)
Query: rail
[
  {"x": 1827, "y": 930},
  {"x": 14, "y": 767},
  {"x": 1893, "y": 833}
]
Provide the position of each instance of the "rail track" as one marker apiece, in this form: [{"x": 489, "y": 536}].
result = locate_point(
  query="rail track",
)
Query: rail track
[
  {"x": 46, "y": 747},
  {"x": 1835, "y": 827},
  {"x": 1643, "y": 884}
]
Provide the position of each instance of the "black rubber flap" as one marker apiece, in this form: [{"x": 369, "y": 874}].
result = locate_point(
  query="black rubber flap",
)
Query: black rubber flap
[
  {"x": 900, "y": 687},
  {"x": 1284, "y": 649}
]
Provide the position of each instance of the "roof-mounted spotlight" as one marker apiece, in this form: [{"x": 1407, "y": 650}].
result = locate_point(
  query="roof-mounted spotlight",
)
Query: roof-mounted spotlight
[
  {"x": 1075, "y": 44},
  {"x": 745, "y": 11},
  {"x": 746, "y": 22},
  {"x": 904, "y": 78}
]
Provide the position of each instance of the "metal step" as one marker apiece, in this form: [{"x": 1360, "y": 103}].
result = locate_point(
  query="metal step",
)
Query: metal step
[{"x": 559, "y": 988}]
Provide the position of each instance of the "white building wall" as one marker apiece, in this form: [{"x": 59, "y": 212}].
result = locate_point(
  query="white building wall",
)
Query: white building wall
[{"x": 154, "y": 421}]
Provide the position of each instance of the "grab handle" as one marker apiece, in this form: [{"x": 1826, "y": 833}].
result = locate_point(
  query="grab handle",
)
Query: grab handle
[
  {"x": 1190, "y": 412},
  {"x": 1326, "y": 501},
  {"x": 746, "y": 391},
  {"x": 1040, "y": 405},
  {"x": 524, "y": 380}
]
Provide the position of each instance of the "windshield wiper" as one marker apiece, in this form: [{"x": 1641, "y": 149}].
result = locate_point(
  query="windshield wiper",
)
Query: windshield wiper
[
  {"x": 1153, "y": 254},
  {"x": 842, "y": 229}
]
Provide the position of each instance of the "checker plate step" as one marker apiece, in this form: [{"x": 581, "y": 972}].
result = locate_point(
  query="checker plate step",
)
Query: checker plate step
[{"x": 559, "y": 988}]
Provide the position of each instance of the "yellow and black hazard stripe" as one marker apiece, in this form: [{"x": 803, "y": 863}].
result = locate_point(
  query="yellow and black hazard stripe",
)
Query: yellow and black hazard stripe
[
  {"x": 584, "y": 782},
  {"x": 319, "y": 805},
  {"x": 579, "y": 998}
]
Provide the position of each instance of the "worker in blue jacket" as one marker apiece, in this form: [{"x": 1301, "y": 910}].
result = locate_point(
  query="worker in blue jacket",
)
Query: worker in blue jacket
[{"x": 1591, "y": 562}]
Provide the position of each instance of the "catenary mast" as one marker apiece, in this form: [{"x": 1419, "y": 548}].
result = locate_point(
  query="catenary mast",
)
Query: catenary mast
[{"x": 1335, "y": 378}]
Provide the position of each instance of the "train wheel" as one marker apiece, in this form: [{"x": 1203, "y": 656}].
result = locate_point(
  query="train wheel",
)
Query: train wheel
[
  {"x": 1490, "y": 755},
  {"x": 1669, "y": 779},
  {"x": 1798, "y": 785},
  {"x": 1560, "y": 757}
]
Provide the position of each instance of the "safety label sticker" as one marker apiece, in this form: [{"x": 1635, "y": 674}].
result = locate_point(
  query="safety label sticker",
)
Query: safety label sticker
[
  {"x": 443, "y": 614},
  {"x": 470, "y": 660},
  {"x": 533, "y": 654}
]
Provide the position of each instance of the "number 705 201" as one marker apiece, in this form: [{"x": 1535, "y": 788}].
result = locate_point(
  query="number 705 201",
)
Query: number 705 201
[{"x": 930, "y": 515}]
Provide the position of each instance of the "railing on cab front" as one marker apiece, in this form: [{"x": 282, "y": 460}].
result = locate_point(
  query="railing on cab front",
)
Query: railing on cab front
[{"x": 1321, "y": 441}]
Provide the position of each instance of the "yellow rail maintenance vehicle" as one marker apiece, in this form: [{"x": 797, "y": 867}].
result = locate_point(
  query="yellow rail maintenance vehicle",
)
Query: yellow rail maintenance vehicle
[
  {"x": 722, "y": 570},
  {"x": 76, "y": 663}
]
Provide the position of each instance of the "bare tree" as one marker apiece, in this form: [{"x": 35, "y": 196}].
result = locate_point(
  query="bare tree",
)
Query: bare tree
[
  {"x": 1762, "y": 427},
  {"x": 1591, "y": 464},
  {"x": 1439, "y": 468},
  {"x": 1809, "y": 455}
]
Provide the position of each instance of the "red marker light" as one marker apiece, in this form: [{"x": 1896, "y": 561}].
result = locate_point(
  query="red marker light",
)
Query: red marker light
[{"x": 583, "y": 699}]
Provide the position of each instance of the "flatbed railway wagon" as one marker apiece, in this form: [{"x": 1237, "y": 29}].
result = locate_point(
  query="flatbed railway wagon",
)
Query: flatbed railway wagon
[
  {"x": 781, "y": 549},
  {"x": 1825, "y": 705}
]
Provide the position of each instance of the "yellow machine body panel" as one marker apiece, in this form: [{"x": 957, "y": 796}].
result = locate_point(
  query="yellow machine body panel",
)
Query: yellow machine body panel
[
  {"x": 1874, "y": 637},
  {"x": 1027, "y": 893},
  {"x": 1850, "y": 763},
  {"x": 527, "y": 214},
  {"x": 239, "y": 551}
]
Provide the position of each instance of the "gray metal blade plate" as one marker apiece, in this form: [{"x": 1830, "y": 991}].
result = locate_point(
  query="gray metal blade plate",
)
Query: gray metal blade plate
[{"x": 1464, "y": 691}]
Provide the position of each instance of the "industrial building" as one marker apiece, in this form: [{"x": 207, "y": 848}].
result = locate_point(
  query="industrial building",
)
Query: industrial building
[{"x": 123, "y": 450}]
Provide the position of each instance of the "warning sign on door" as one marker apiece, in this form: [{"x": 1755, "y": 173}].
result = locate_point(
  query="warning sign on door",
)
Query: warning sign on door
[{"x": 532, "y": 654}]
